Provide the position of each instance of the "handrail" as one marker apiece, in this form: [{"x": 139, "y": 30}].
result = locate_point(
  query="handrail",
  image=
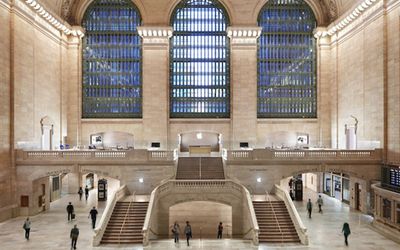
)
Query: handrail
[
  {"x": 294, "y": 215},
  {"x": 126, "y": 215},
  {"x": 101, "y": 227},
  {"x": 276, "y": 218}
]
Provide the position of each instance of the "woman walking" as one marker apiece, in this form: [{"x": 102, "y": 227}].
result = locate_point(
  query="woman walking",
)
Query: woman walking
[
  {"x": 346, "y": 232},
  {"x": 176, "y": 231}
]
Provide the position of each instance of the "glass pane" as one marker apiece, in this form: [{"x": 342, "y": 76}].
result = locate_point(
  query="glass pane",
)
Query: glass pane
[
  {"x": 112, "y": 61},
  {"x": 199, "y": 65},
  {"x": 287, "y": 61}
]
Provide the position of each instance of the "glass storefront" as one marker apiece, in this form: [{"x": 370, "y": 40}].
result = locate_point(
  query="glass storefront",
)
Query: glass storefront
[
  {"x": 327, "y": 183},
  {"x": 346, "y": 190},
  {"x": 337, "y": 184},
  {"x": 398, "y": 213}
]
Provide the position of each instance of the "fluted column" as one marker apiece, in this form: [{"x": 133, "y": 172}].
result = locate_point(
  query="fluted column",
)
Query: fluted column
[
  {"x": 243, "y": 42},
  {"x": 155, "y": 83}
]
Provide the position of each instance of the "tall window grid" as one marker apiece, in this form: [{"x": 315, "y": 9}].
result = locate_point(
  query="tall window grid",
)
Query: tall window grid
[
  {"x": 112, "y": 61},
  {"x": 199, "y": 64},
  {"x": 287, "y": 85}
]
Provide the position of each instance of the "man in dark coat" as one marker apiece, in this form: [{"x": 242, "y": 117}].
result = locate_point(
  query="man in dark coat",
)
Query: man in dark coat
[
  {"x": 86, "y": 192},
  {"x": 93, "y": 215},
  {"x": 74, "y": 236},
  {"x": 70, "y": 211}
]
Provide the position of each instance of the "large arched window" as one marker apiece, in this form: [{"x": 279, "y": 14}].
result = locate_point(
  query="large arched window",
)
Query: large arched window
[
  {"x": 199, "y": 63},
  {"x": 112, "y": 61},
  {"x": 287, "y": 85}
]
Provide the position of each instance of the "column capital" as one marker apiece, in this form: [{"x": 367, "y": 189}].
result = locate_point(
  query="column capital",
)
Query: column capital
[
  {"x": 244, "y": 35},
  {"x": 154, "y": 34},
  {"x": 322, "y": 36}
]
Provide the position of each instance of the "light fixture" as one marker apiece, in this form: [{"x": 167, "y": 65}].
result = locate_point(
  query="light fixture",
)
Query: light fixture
[
  {"x": 141, "y": 180},
  {"x": 259, "y": 179},
  {"x": 199, "y": 136}
]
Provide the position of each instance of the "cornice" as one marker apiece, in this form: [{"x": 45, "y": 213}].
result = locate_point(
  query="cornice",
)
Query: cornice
[
  {"x": 153, "y": 35},
  {"x": 243, "y": 36}
]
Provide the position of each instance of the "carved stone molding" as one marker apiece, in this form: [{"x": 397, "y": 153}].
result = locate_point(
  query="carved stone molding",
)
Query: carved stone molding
[
  {"x": 155, "y": 35},
  {"x": 244, "y": 35},
  {"x": 66, "y": 9}
]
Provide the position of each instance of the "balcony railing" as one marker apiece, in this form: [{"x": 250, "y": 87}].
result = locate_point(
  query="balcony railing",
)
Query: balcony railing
[
  {"x": 302, "y": 155},
  {"x": 87, "y": 156}
]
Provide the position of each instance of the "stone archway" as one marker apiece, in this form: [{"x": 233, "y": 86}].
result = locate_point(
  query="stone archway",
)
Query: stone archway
[{"x": 203, "y": 216}]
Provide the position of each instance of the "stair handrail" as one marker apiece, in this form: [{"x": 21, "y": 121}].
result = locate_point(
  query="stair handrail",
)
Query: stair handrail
[
  {"x": 126, "y": 215},
  {"x": 294, "y": 215},
  {"x": 273, "y": 211},
  {"x": 105, "y": 218}
]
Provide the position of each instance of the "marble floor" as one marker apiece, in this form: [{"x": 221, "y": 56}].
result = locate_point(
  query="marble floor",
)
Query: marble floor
[{"x": 50, "y": 230}]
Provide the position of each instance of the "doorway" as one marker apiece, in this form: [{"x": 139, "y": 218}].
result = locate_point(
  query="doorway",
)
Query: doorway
[{"x": 357, "y": 196}]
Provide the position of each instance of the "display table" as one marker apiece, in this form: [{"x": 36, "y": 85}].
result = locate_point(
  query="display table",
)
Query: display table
[{"x": 200, "y": 149}]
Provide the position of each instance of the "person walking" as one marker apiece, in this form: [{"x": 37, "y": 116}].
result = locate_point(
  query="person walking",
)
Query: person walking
[
  {"x": 309, "y": 208},
  {"x": 176, "y": 231},
  {"x": 27, "y": 227},
  {"x": 93, "y": 214},
  {"x": 80, "y": 192},
  {"x": 346, "y": 232},
  {"x": 74, "y": 236},
  {"x": 320, "y": 202},
  {"x": 70, "y": 211},
  {"x": 86, "y": 192},
  {"x": 188, "y": 232},
  {"x": 220, "y": 229}
]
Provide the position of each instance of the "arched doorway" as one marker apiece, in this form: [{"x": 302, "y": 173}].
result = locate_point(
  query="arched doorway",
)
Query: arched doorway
[{"x": 204, "y": 217}]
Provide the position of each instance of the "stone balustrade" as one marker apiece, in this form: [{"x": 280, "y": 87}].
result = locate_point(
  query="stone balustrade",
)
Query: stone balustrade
[
  {"x": 307, "y": 156},
  {"x": 214, "y": 190},
  {"x": 94, "y": 156}
]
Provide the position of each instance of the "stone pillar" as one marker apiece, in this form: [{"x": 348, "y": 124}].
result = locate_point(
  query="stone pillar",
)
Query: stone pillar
[
  {"x": 155, "y": 84},
  {"x": 74, "y": 88},
  {"x": 243, "y": 42},
  {"x": 323, "y": 87},
  {"x": 334, "y": 77}
]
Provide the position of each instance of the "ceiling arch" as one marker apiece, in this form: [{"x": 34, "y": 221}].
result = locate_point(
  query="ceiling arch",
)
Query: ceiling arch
[{"x": 67, "y": 9}]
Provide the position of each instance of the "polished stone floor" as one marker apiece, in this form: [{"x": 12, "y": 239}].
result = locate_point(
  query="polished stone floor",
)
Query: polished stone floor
[{"x": 50, "y": 230}]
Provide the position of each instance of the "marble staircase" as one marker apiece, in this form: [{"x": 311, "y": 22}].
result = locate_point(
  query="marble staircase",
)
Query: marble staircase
[
  {"x": 126, "y": 223},
  {"x": 274, "y": 223},
  {"x": 200, "y": 168}
]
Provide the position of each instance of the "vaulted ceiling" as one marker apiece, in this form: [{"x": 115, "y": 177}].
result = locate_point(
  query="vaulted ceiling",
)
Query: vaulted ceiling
[{"x": 65, "y": 8}]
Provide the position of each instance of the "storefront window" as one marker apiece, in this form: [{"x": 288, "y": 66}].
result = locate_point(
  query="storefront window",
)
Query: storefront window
[
  {"x": 337, "y": 182},
  {"x": 346, "y": 190},
  {"x": 327, "y": 183},
  {"x": 398, "y": 213},
  {"x": 387, "y": 209}
]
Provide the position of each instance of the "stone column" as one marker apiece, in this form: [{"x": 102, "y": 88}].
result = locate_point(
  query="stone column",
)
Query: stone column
[
  {"x": 323, "y": 87},
  {"x": 155, "y": 84},
  {"x": 74, "y": 88},
  {"x": 243, "y": 82}
]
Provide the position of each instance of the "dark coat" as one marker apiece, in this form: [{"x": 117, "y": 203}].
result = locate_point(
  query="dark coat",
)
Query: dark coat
[
  {"x": 74, "y": 233},
  {"x": 70, "y": 208},
  {"x": 93, "y": 213},
  {"x": 346, "y": 228}
]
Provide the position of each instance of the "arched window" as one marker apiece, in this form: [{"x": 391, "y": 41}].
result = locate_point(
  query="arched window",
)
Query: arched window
[
  {"x": 199, "y": 63},
  {"x": 112, "y": 61},
  {"x": 287, "y": 85}
]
